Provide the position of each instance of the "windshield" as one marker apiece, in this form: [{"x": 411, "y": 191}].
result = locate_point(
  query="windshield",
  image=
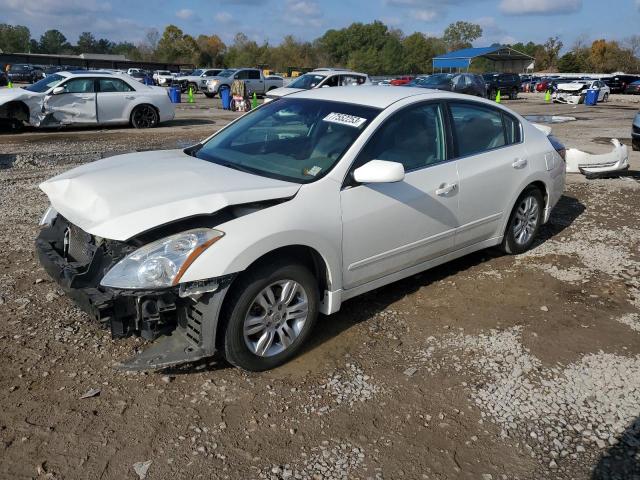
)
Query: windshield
[
  {"x": 196, "y": 73},
  {"x": 45, "y": 84},
  {"x": 296, "y": 140},
  {"x": 163, "y": 72},
  {"x": 227, "y": 73},
  {"x": 307, "y": 81},
  {"x": 489, "y": 76},
  {"x": 437, "y": 79}
]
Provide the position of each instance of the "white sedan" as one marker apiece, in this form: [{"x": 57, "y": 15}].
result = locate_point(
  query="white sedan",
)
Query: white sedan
[
  {"x": 86, "y": 98},
  {"x": 235, "y": 245}
]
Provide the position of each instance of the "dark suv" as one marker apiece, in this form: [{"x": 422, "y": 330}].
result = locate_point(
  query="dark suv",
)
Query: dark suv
[
  {"x": 468, "y": 83},
  {"x": 508, "y": 84},
  {"x": 619, "y": 83},
  {"x": 20, "y": 73}
]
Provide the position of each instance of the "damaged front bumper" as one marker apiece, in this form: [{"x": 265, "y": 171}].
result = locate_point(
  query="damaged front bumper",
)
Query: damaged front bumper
[
  {"x": 183, "y": 327},
  {"x": 571, "y": 98},
  {"x": 593, "y": 165}
]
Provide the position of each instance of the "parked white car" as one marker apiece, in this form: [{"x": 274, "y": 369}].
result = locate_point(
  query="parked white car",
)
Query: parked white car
[
  {"x": 163, "y": 77},
  {"x": 86, "y": 98},
  {"x": 235, "y": 245},
  {"x": 574, "y": 92},
  {"x": 319, "y": 78}
]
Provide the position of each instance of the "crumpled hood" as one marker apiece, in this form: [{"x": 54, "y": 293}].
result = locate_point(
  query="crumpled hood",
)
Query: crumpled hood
[
  {"x": 10, "y": 94},
  {"x": 571, "y": 87},
  {"x": 122, "y": 196},
  {"x": 282, "y": 91}
]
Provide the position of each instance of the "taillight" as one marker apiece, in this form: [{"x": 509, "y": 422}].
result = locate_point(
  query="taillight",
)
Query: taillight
[{"x": 558, "y": 147}]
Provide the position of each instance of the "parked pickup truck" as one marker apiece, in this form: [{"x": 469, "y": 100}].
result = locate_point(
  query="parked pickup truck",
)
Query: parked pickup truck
[
  {"x": 253, "y": 78},
  {"x": 197, "y": 79}
]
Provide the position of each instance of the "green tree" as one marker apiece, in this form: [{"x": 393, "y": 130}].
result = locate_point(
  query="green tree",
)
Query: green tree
[
  {"x": 569, "y": 62},
  {"x": 460, "y": 34},
  {"x": 211, "y": 49},
  {"x": 53, "y": 41},
  {"x": 175, "y": 46},
  {"x": 14, "y": 38},
  {"x": 419, "y": 52},
  {"x": 86, "y": 43}
]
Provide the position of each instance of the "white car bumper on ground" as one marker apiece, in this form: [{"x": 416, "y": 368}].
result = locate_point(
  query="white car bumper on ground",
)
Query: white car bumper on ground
[{"x": 589, "y": 164}]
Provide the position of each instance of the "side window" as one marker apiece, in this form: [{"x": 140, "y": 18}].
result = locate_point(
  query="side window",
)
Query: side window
[
  {"x": 414, "y": 137},
  {"x": 468, "y": 81},
  {"x": 332, "y": 81},
  {"x": 477, "y": 128},
  {"x": 242, "y": 75},
  {"x": 348, "y": 80},
  {"x": 253, "y": 74},
  {"x": 114, "y": 85},
  {"x": 512, "y": 129},
  {"x": 79, "y": 85}
]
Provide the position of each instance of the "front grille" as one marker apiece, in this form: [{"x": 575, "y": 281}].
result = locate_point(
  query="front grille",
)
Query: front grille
[{"x": 79, "y": 245}]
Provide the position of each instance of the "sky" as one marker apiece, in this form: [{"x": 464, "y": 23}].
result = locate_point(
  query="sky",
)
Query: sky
[{"x": 503, "y": 21}]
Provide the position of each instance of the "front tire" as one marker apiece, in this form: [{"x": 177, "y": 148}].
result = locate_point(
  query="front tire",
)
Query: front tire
[
  {"x": 208, "y": 94},
  {"x": 269, "y": 314},
  {"x": 524, "y": 222},
  {"x": 144, "y": 116}
]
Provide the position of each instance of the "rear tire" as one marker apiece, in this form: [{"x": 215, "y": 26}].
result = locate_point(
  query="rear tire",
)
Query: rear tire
[
  {"x": 144, "y": 116},
  {"x": 283, "y": 319},
  {"x": 524, "y": 222}
]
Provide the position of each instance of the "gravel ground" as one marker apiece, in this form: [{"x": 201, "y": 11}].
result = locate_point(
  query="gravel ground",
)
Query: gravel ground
[{"x": 490, "y": 367}]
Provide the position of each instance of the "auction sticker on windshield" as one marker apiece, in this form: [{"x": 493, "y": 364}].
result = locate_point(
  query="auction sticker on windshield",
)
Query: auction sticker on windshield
[{"x": 344, "y": 119}]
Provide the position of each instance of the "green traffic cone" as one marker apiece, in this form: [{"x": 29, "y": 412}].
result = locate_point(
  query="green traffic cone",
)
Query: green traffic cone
[
  {"x": 9, "y": 85},
  {"x": 498, "y": 97},
  {"x": 254, "y": 101},
  {"x": 547, "y": 97},
  {"x": 191, "y": 95}
]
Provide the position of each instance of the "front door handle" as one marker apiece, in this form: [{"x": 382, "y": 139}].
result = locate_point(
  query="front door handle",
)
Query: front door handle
[
  {"x": 446, "y": 188},
  {"x": 129, "y": 97},
  {"x": 519, "y": 163}
]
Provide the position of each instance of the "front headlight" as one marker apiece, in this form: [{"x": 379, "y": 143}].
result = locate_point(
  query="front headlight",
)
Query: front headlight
[
  {"x": 213, "y": 83},
  {"x": 161, "y": 263}
]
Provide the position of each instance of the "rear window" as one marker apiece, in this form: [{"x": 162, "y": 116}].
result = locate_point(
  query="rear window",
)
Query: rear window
[{"x": 478, "y": 128}]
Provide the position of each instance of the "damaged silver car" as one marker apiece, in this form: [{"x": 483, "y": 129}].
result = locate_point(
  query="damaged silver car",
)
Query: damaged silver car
[{"x": 84, "y": 99}]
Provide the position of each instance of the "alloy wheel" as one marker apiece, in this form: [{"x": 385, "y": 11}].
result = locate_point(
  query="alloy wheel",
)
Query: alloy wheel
[
  {"x": 275, "y": 318},
  {"x": 145, "y": 117},
  {"x": 526, "y": 221}
]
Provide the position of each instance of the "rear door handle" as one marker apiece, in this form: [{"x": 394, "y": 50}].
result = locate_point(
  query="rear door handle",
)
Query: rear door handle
[
  {"x": 519, "y": 163},
  {"x": 446, "y": 188},
  {"x": 130, "y": 97}
]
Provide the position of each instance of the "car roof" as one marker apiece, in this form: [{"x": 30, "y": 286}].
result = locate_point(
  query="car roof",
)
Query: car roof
[
  {"x": 370, "y": 96},
  {"x": 326, "y": 73}
]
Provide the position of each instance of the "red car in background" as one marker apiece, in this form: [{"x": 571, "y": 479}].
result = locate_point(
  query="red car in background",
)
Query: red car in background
[
  {"x": 544, "y": 85},
  {"x": 401, "y": 80}
]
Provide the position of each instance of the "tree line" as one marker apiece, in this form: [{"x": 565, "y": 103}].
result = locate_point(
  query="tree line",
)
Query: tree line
[{"x": 373, "y": 48}]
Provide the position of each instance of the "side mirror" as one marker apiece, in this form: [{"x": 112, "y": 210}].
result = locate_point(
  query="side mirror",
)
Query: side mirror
[
  {"x": 379, "y": 171},
  {"x": 57, "y": 91}
]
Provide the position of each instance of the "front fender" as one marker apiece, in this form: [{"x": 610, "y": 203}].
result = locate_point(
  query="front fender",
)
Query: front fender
[{"x": 311, "y": 219}]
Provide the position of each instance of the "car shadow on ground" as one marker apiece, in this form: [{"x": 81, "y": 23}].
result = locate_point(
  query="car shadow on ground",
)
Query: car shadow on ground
[
  {"x": 622, "y": 460},
  {"x": 363, "y": 307},
  {"x": 366, "y": 306}
]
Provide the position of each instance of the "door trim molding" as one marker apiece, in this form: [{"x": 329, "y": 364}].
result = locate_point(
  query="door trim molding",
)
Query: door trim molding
[{"x": 399, "y": 250}]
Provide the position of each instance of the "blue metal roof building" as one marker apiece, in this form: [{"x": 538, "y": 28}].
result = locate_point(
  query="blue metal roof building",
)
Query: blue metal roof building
[{"x": 504, "y": 59}]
